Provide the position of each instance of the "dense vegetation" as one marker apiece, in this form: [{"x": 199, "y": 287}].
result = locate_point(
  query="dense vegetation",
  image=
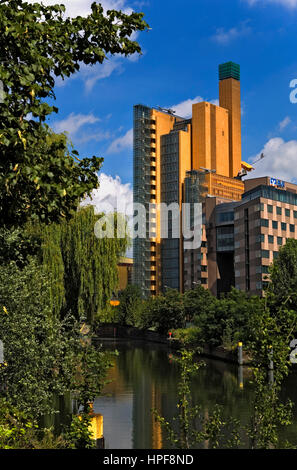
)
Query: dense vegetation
[
  {"x": 81, "y": 268},
  {"x": 41, "y": 178},
  {"x": 265, "y": 325},
  {"x": 54, "y": 273},
  {"x": 219, "y": 322}
]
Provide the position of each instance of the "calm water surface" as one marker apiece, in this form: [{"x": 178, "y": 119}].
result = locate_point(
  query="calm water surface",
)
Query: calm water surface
[{"x": 144, "y": 377}]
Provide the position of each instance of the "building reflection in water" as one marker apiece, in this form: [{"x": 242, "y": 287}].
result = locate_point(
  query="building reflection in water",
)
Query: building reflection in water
[{"x": 145, "y": 377}]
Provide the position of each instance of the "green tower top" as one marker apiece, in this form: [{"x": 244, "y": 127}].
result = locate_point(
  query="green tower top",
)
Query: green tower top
[{"x": 229, "y": 70}]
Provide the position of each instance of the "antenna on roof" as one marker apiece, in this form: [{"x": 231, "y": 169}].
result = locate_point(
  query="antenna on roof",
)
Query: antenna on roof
[
  {"x": 261, "y": 158},
  {"x": 166, "y": 110},
  {"x": 246, "y": 167}
]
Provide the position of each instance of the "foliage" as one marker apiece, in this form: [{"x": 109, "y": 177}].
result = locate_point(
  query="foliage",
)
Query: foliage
[
  {"x": 268, "y": 412},
  {"x": 270, "y": 335},
  {"x": 190, "y": 337},
  {"x": 282, "y": 290},
  {"x": 17, "y": 245},
  {"x": 14, "y": 427},
  {"x": 82, "y": 269},
  {"x": 236, "y": 309},
  {"x": 44, "y": 355},
  {"x": 79, "y": 434},
  {"x": 225, "y": 321},
  {"x": 131, "y": 305},
  {"x": 190, "y": 428},
  {"x": 164, "y": 312},
  {"x": 40, "y": 178},
  {"x": 197, "y": 302}
]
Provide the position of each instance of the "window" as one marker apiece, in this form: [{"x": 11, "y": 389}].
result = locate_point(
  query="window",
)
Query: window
[
  {"x": 279, "y": 240},
  {"x": 270, "y": 208},
  {"x": 261, "y": 206},
  {"x": 279, "y": 211},
  {"x": 265, "y": 269},
  {"x": 225, "y": 217},
  {"x": 292, "y": 228},
  {"x": 284, "y": 226},
  {"x": 275, "y": 254},
  {"x": 265, "y": 253},
  {"x": 287, "y": 212},
  {"x": 295, "y": 214},
  {"x": 203, "y": 269},
  {"x": 203, "y": 280},
  {"x": 264, "y": 223},
  {"x": 274, "y": 224},
  {"x": 270, "y": 239}
]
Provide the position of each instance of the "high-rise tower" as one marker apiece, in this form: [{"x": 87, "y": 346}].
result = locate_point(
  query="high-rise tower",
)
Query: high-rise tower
[
  {"x": 229, "y": 75},
  {"x": 207, "y": 148}
]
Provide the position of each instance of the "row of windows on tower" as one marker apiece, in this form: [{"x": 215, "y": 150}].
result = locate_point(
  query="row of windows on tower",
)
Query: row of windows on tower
[
  {"x": 275, "y": 225},
  {"x": 271, "y": 239},
  {"x": 279, "y": 210}
]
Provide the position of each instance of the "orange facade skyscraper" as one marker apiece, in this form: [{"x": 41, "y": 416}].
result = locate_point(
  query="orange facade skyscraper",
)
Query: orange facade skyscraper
[
  {"x": 166, "y": 148},
  {"x": 229, "y": 75}
]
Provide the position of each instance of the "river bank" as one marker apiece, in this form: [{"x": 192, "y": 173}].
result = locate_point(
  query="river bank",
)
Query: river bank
[{"x": 118, "y": 332}]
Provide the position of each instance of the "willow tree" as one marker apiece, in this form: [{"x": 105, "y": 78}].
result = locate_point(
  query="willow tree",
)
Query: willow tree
[{"x": 82, "y": 268}]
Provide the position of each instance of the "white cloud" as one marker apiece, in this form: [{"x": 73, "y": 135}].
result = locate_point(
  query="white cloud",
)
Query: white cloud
[
  {"x": 91, "y": 74},
  {"x": 112, "y": 193},
  {"x": 215, "y": 102},
  {"x": 184, "y": 109},
  {"x": 279, "y": 161},
  {"x": 83, "y": 7},
  {"x": 286, "y": 3},
  {"x": 284, "y": 123},
  {"x": 121, "y": 143},
  {"x": 73, "y": 125},
  {"x": 74, "y": 122},
  {"x": 224, "y": 36}
]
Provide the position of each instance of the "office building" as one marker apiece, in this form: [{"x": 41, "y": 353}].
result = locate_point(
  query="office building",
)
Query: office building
[{"x": 198, "y": 160}]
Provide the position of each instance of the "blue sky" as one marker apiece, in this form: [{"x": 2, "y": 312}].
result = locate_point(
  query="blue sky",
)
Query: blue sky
[{"x": 179, "y": 65}]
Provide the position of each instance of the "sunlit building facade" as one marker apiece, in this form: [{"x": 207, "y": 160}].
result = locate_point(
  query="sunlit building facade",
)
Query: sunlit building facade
[{"x": 198, "y": 160}]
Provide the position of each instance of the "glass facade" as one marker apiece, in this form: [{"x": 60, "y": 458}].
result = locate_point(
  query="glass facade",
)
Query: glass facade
[
  {"x": 268, "y": 192},
  {"x": 141, "y": 194},
  {"x": 170, "y": 247},
  {"x": 225, "y": 238}
]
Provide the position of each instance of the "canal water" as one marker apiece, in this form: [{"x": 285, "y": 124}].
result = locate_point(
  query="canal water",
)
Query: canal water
[{"x": 145, "y": 377}]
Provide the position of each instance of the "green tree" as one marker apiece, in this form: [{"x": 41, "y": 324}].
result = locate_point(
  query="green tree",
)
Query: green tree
[
  {"x": 131, "y": 304},
  {"x": 197, "y": 301},
  {"x": 270, "y": 332},
  {"x": 40, "y": 178},
  {"x": 82, "y": 268},
  {"x": 283, "y": 274},
  {"x": 45, "y": 356},
  {"x": 235, "y": 310},
  {"x": 164, "y": 312}
]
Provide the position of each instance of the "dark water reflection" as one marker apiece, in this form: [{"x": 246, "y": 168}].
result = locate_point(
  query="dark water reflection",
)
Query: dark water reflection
[{"x": 145, "y": 377}]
